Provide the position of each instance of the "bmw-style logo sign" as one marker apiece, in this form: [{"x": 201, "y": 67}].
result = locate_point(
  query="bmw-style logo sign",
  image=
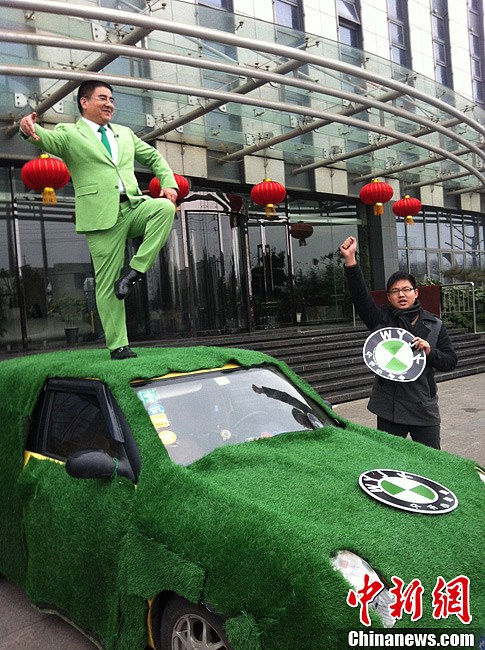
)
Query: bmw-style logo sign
[
  {"x": 407, "y": 491},
  {"x": 389, "y": 353}
]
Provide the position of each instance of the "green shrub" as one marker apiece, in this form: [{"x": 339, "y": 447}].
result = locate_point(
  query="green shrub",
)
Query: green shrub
[{"x": 70, "y": 309}]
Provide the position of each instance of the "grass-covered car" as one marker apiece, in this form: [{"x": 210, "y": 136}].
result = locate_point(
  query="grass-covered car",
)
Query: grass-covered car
[{"x": 208, "y": 498}]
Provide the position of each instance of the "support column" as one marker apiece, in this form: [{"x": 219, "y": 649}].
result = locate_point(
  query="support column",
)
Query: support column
[{"x": 383, "y": 247}]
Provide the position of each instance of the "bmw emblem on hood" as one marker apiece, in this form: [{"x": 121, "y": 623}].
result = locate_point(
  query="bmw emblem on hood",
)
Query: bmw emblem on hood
[
  {"x": 407, "y": 491},
  {"x": 389, "y": 353}
]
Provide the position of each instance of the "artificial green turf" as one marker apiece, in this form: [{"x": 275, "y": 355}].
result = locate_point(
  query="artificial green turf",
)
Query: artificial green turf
[{"x": 249, "y": 529}]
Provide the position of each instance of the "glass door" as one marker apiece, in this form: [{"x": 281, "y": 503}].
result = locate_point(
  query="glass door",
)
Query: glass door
[
  {"x": 218, "y": 289},
  {"x": 320, "y": 292},
  {"x": 269, "y": 256}
]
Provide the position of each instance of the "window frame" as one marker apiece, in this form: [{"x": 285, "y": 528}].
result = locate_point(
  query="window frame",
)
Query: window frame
[
  {"x": 477, "y": 51},
  {"x": 129, "y": 462},
  {"x": 440, "y": 35},
  {"x": 349, "y": 22},
  {"x": 397, "y": 17},
  {"x": 296, "y": 10},
  {"x": 222, "y": 5}
]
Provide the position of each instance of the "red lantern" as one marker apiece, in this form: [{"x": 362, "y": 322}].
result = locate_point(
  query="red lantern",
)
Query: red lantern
[
  {"x": 407, "y": 208},
  {"x": 376, "y": 193},
  {"x": 268, "y": 193},
  {"x": 235, "y": 202},
  {"x": 184, "y": 186},
  {"x": 301, "y": 231},
  {"x": 154, "y": 187},
  {"x": 45, "y": 175}
]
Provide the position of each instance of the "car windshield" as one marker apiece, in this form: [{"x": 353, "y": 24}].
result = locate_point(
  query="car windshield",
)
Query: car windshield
[{"x": 194, "y": 413}]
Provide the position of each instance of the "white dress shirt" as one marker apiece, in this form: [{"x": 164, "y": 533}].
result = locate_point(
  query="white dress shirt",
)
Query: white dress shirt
[{"x": 113, "y": 143}]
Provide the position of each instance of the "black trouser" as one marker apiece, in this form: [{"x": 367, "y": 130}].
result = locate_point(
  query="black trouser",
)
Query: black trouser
[{"x": 429, "y": 436}]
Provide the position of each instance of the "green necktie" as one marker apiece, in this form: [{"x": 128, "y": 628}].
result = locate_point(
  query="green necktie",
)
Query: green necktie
[{"x": 104, "y": 139}]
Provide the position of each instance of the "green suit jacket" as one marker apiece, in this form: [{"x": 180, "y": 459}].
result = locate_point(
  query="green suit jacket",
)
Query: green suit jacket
[{"x": 95, "y": 175}]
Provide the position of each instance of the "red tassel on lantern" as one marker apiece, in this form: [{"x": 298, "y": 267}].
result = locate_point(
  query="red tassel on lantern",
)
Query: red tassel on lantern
[
  {"x": 301, "y": 231},
  {"x": 154, "y": 187},
  {"x": 268, "y": 193},
  {"x": 45, "y": 175},
  {"x": 376, "y": 193},
  {"x": 407, "y": 208}
]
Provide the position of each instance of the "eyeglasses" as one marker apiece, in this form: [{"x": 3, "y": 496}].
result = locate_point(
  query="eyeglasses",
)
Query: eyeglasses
[
  {"x": 102, "y": 98},
  {"x": 405, "y": 290}
]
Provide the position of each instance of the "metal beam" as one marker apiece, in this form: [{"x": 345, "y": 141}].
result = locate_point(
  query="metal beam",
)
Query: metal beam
[
  {"x": 132, "y": 37},
  {"x": 441, "y": 179},
  {"x": 467, "y": 190},
  {"x": 370, "y": 148},
  {"x": 147, "y": 84},
  {"x": 404, "y": 168},
  {"x": 301, "y": 130},
  {"x": 213, "y": 105},
  {"x": 408, "y": 166},
  {"x": 114, "y": 50},
  {"x": 204, "y": 33}
]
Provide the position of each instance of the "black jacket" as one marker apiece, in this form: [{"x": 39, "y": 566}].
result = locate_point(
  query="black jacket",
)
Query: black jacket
[{"x": 414, "y": 403}]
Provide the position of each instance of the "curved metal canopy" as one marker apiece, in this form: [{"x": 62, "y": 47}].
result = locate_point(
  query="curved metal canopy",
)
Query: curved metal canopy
[{"x": 294, "y": 103}]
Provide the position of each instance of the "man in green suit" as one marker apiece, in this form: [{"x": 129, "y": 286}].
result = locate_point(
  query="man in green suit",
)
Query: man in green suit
[{"x": 110, "y": 207}]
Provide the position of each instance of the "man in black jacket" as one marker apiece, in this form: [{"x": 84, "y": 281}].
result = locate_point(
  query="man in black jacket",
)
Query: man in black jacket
[{"x": 403, "y": 407}]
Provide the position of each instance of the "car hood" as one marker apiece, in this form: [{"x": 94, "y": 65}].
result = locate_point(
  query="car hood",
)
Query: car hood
[
  {"x": 250, "y": 529},
  {"x": 273, "y": 512}
]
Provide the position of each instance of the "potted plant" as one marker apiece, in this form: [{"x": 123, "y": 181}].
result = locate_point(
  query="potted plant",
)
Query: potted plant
[{"x": 71, "y": 310}]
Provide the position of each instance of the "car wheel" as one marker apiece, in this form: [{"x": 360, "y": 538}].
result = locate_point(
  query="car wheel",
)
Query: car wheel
[{"x": 186, "y": 626}]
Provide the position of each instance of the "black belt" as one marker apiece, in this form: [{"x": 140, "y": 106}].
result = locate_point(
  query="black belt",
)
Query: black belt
[{"x": 123, "y": 198}]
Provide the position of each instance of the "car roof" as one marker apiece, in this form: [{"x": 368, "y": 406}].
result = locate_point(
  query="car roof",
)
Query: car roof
[{"x": 22, "y": 378}]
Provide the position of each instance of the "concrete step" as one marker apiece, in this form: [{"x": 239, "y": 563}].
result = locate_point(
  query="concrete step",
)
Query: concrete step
[{"x": 330, "y": 358}]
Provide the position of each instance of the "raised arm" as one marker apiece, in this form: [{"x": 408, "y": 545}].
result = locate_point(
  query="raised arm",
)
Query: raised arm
[
  {"x": 27, "y": 126},
  {"x": 348, "y": 250}
]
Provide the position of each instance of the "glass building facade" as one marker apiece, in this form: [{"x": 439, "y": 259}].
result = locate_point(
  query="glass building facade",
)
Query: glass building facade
[{"x": 230, "y": 99}]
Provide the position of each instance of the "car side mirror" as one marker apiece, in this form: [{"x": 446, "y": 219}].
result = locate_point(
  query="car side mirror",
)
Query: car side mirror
[{"x": 91, "y": 463}]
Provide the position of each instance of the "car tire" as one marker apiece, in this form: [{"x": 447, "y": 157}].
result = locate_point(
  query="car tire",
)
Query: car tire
[{"x": 188, "y": 625}]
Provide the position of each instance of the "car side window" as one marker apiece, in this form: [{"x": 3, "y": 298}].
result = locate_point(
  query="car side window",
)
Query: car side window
[
  {"x": 78, "y": 415},
  {"x": 76, "y": 423}
]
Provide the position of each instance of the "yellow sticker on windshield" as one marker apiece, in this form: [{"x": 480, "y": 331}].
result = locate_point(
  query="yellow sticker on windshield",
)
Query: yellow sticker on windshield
[
  {"x": 167, "y": 437},
  {"x": 160, "y": 421}
]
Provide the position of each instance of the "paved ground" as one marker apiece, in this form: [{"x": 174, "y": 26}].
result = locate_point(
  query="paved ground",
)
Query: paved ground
[{"x": 462, "y": 404}]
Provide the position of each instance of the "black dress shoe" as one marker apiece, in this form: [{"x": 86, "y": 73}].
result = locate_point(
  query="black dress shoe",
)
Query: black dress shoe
[
  {"x": 123, "y": 353},
  {"x": 127, "y": 280}
]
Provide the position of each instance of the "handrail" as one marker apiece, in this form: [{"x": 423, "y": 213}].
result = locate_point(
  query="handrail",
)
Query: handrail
[{"x": 469, "y": 285}]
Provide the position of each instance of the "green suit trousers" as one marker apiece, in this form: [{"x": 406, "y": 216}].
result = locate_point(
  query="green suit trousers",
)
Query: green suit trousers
[{"x": 150, "y": 218}]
